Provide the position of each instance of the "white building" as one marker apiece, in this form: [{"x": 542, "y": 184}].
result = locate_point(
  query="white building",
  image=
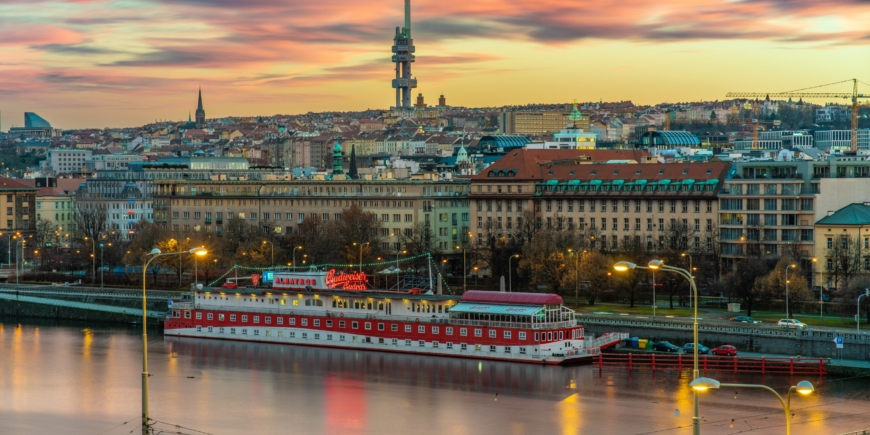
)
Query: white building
[
  {"x": 841, "y": 140},
  {"x": 66, "y": 161}
]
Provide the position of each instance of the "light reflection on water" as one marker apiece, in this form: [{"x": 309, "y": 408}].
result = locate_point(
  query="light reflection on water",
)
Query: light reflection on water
[{"x": 54, "y": 378}]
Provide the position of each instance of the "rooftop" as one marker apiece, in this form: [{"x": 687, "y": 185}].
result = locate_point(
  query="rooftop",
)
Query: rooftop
[{"x": 852, "y": 214}]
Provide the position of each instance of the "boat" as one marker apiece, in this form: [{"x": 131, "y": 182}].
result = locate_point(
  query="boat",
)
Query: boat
[{"x": 334, "y": 309}]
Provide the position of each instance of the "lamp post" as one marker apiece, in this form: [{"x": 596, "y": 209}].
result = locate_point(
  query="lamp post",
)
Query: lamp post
[
  {"x": 656, "y": 265},
  {"x": 786, "y": 290},
  {"x": 294, "y": 256},
  {"x": 510, "y": 273},
  {"x": 101, "y": 266},
  {"x": 802, "y": 387},
  {"x": 576, "y": 277},
  {"x": 9, "y": 245},
  {"x": 146, "y": 426},
  {"x": 858, "y": 315},
  {"x": 398, "y": 269},
  {"x": 691, "y": 271},
  {"x": 464, "y": 287},
  {"x": 360, "y": 253},
  {"x": 654, "y": 295},
  {"x": 273, "y": 252}
]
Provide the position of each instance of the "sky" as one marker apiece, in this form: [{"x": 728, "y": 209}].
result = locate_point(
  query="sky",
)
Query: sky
[{"x": 115, "y": 63}]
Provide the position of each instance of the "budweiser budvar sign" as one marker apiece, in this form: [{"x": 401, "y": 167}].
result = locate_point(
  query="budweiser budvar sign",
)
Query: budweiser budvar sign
[{"x": 347, "y": 281}]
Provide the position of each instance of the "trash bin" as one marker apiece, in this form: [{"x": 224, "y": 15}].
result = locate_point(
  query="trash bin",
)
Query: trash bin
[
  {"x": 633, "y": 341},
  {"x": 641, "y": 344}
]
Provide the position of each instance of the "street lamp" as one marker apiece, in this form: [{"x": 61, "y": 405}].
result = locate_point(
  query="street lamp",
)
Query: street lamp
[
  {"x": 510, "y": 273},
  {"x": 659, "y": 265},
  {"x": 858, "y": 315},
  {"x": 786, "y": 290},
  {"x": 691, "y": 270},
  {"x": 9, "y": 245},
  {"x": 146, "y": 426},
  {"x": 475, "y": 276},
  {"x": 273, "y": 251},
  {"x": 576, "y": 276},
  {"x": 294, "y": 256},
  {"x": 398, "y": 269},
  {"x": 101, "y": 266},
  {"x": 802, "y": 387},
  {"x": 360, "y": 253}
]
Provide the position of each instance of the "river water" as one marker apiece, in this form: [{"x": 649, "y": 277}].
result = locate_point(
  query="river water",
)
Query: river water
[{"x": 85, "y": 379}]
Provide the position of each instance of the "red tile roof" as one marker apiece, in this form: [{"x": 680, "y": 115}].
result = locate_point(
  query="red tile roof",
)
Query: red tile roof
[{"x": 529, "y": 164}]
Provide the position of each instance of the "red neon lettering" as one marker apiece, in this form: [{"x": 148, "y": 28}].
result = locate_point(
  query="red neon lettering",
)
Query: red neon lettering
[{"x": 347, "y": 281}]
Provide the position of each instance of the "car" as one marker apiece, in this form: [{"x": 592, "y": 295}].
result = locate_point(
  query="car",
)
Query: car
[
  {"x": 744, "y": 319},
  {"x": 725, "y": 349},
  {"x": 701, "y": 348},
  {"x": 664, "y": 346},
  {"x": 792, "y": 323}
]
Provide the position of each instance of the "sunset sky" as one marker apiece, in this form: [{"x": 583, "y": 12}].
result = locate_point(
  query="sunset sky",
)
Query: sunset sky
[{"x": 108, "y": 63}]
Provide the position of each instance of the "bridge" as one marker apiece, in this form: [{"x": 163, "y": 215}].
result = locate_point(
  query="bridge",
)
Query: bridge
[{"x": 89, "y": 303}]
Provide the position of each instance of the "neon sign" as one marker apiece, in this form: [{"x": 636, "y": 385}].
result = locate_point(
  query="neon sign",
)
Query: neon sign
[{"x": 347, "y": 281}]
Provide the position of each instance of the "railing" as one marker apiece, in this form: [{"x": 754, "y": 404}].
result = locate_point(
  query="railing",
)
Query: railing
[
  {"x": 726, "y": 327},
  {"x": 858, "y": 432},
  {"x": 708, "y": 363}
]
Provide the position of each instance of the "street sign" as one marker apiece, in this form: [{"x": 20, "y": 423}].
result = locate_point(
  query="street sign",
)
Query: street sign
[{"x": 839, "y": 342}]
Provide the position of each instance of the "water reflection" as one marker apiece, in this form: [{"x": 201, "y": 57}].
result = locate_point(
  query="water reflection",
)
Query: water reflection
[{"x": 57, "y": 377}]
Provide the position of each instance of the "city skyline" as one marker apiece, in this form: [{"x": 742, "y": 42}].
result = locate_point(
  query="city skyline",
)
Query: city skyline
[{"x": 111, "y": 64}]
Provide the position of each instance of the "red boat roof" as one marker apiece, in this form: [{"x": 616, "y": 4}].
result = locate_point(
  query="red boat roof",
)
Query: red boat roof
[{"x": 511, "y": 298}]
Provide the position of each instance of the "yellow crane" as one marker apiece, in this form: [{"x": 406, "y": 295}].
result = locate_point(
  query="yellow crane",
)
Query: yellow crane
[{"x": 798, "y": 94}]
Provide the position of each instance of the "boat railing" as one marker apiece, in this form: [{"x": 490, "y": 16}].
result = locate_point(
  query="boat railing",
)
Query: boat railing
[{"x": 388, "y": 317}]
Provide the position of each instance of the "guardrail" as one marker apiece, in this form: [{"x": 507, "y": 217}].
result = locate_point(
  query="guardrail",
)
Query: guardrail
[
  {"x": 730, "y": 328},
  {"x": 708, "y": 363},
  {"x": 64, "y": 291}
]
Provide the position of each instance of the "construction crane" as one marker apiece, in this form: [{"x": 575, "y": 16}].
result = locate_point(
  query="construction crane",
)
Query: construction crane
[
  {"x": 798, "y": 94},
  {"x": 755, "y": 127}
]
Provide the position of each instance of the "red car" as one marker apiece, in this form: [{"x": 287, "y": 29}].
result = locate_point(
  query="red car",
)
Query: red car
[{"x": 727, "y": 350}]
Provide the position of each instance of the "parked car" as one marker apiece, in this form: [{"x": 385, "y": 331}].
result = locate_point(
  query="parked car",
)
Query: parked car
[
  {"x": 792, "y": 323},
  {"x": 725, "y": 349},
  {"x": 688, "y": 348},
  {"x": 664, "y": 346},
  {"x": 744, "y": 319}
]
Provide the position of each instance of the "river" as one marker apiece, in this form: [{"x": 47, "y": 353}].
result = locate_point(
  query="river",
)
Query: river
[{"x": 73, "y": 378}]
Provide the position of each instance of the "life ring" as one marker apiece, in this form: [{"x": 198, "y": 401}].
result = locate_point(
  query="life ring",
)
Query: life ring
[
  {"x": 341, "y": 315},
  {"x": 418, "y": 320}
]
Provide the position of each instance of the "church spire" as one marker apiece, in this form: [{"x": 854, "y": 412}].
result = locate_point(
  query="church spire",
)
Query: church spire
[{"x": 200, "y": 112}]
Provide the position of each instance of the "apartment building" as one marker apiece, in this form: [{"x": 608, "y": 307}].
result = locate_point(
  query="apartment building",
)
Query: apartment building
[
  {"x": 539, "y": 122},
  {"x": 279, "y": 207},
  {"x": 770, "y": 208},
  {"x": 55, "y": 203},
  {"x": 612, "y": 205},
  {"x": 67, "y": 161},
  {"x": 18, "y": 202}
]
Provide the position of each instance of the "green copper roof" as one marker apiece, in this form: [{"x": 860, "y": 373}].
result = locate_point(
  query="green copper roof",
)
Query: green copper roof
[
  {"x": 575, "y": 114},
  {"x": 852, "y": 214}
]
